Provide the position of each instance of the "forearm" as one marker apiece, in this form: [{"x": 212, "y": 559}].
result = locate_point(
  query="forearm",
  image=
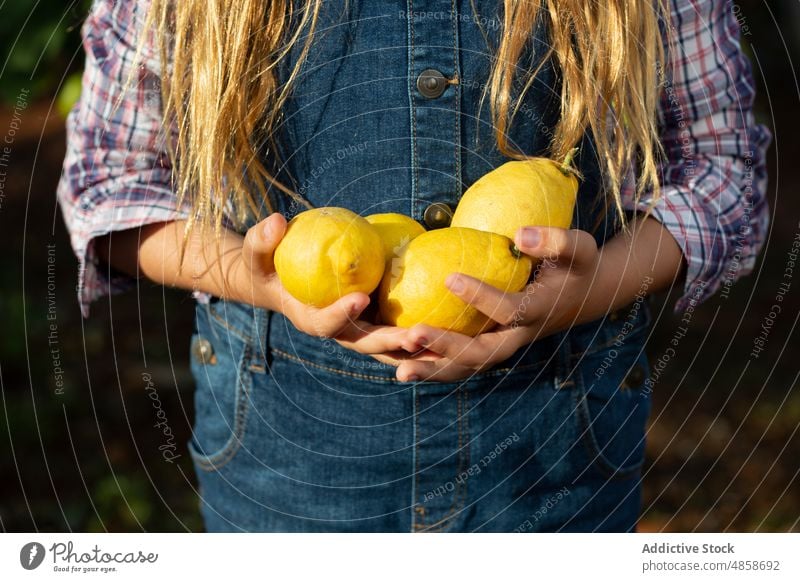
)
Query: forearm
[
  {"x": 154, "y": 252},
  {"x": 642, "y": 261}
]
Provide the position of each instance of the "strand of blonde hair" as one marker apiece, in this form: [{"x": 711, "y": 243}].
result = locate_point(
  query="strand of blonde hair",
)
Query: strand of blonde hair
[{"x": 220, "y": 88}]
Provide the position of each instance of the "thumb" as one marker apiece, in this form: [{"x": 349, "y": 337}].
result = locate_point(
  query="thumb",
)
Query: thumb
[
  {"x": 575, "y": 247},
  {"x": 330, "y": 321},
  {"x": 261, "y": 241}
]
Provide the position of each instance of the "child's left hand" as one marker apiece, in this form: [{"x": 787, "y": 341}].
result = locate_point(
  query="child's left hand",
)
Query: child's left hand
[{"x": 567, "y": 290}]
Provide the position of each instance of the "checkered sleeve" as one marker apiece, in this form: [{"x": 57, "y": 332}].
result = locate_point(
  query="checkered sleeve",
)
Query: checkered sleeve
[
  {"x": 117, "y": 173},
  {"x": 714, "y": 178}
]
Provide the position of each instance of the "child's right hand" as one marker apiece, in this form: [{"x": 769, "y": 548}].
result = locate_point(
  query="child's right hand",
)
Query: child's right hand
[{"x": 253, "y": 280}]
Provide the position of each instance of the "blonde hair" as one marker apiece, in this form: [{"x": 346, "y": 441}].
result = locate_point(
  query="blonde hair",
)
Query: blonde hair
[{"x": 220, "y": 88}]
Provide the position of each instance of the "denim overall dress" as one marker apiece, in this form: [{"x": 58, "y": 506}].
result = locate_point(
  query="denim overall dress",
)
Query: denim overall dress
[{"x": 295, "y": 433}]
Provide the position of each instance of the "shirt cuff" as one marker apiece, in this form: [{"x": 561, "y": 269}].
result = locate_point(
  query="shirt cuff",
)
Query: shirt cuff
[
  {"x": 718, "y": 248},
  {"x": 699, "y": 283},
  {"x": 95, "y": 278}
]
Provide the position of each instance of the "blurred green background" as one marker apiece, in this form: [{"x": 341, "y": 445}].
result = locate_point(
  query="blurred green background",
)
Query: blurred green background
[{"x": 723, "y": 450}]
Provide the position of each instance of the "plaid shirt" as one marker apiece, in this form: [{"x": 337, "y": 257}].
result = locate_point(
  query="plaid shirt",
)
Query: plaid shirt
[{"x": 117, "y": 174}]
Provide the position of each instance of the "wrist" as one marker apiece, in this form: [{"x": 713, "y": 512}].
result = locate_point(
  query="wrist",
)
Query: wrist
[
  {"x": 638, "y": 262},
  {"x": 614, "y": 288},
  {"x": 246, "y": 285},
  {"x": 220, "y": 270}
]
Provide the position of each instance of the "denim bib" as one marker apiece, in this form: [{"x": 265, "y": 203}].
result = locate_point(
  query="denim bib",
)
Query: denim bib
[{"x": 361, "y": 133}]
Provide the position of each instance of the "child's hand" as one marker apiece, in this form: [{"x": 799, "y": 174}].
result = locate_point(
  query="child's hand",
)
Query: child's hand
[
  {"x": 564, "y": 292},
  {"x": 254, "y": 280}
]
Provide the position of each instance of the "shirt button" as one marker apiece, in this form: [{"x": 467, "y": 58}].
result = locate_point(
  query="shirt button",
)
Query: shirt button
[
  {"x": 431, "y": 83},
  {"x": 438, "y": 215},
  {"x": 203, "y": 351}
]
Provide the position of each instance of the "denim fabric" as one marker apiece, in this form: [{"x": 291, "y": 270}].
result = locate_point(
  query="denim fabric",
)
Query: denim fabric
[{"x": 295, "y": 433}]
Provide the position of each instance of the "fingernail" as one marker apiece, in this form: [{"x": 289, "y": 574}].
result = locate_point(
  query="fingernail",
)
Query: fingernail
[
  {"x": 412, "y": 378},
  {"x": 455, "y": 283},
  {"x": 422, "y": 341},
  {"x": 355, "y": 308},
  {"x": 530, "y": 237},
  {"x": 267, "y": 230}
]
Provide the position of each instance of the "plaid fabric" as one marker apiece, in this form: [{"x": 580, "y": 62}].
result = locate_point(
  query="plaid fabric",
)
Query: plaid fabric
[
  {"x": 714, "y": 180},
  {"x": 117, "y": 174}
]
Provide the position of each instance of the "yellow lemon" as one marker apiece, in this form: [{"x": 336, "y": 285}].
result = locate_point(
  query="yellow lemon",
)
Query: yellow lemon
[
  {"x": 534, "y": 192},
  {"x": 327, "y": 253},
  {"x": 395, "y": 230},
  {"x": 413, "y": 289}
]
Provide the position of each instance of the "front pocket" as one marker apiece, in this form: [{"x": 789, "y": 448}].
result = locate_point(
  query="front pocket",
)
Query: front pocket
[
  {"x": 220, "y": 365},
  {"x": 613, "y": 409}
]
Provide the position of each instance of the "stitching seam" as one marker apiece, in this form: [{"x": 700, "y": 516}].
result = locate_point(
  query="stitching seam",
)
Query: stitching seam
[
  {"x": 245, "y": 337},
  {"x": 219, "y": 459},
  {"x": 298, "y": 359},
  {"x": 413, "y": 111},
  {"x": 414, "y": 514},
  {"x": 460, "y": 494},
  {"x": 596, "y": 456}
]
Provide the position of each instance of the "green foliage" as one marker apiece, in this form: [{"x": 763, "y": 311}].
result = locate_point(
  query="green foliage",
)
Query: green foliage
[
  {"x": 69, "y": 94},
  {"x": 39, "y": 44},
  {"x": 122, "y": 503}
]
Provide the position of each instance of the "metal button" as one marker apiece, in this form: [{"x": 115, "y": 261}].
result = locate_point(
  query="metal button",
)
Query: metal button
[
  {"x": 634, "y": 378},
  {"x": 203, "y": 351},
  {"x": 431, "y": 83},
  {"x": 438, "y": 215}
]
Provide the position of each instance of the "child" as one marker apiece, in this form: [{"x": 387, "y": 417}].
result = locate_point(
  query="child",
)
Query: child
[{"x": 202, "y": 126}]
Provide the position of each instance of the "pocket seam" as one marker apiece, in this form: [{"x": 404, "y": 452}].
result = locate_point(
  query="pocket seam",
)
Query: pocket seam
[
  {"x": 589, "y": 438},
  {"x": 216, "y": 317},
  {"x": 227, "y": 452},
  {"x": 286, "y": 355},
  {"x": 387, "y": 379}
]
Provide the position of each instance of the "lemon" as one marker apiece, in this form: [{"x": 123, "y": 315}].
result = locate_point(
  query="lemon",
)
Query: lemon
[
  {"x": 395, "y": 230},
  {"x": 327, "y": 253},
  {"x": 413, "y": 289},
  {"x": 534, "y": 192}
]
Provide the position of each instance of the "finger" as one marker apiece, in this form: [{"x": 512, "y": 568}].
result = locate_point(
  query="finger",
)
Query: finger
[
  {"x": 575, "y": 246},
  {"x": 394, "y": 359},
  {"x": 500, "y": 306},
  {"x": 423, "y": 355},
  {"x": 443, "y": 370},
  {"x": 326, "y": 321},
  {"x": 366, "y": 338},
  {"x": 387, "y": 359},
  {"x": 330, "y": 321},
  {"x": 474, "y": 352},
  {"x": 261, "y": 240}
]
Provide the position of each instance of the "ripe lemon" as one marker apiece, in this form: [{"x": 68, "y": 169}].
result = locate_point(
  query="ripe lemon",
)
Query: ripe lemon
[
  {"x": 327, "y": 253},
  {"x": 534, "y": 192},
  {"x": 413, "y": 289},
  {"x": 395, "y": 230}
]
